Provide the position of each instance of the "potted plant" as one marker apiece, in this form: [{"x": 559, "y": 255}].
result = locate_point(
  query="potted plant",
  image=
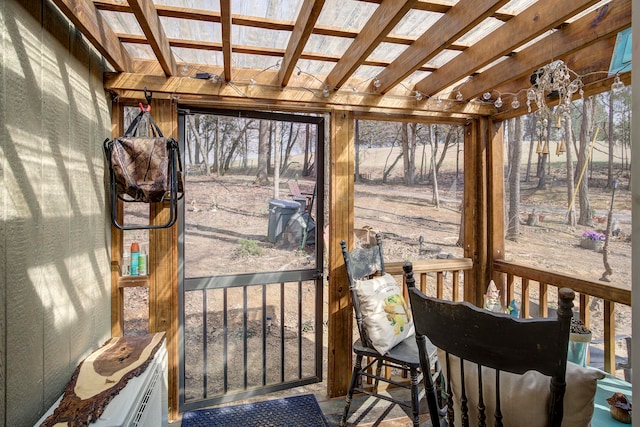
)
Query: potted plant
[
  {"x": 593, "y": 240},
  {"x": 579, "y": 339}
]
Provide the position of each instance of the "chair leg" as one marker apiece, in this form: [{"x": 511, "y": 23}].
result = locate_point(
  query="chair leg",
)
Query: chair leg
[
  {"x": 415, "y": 402},
  {"x": 352, "y": 386}
]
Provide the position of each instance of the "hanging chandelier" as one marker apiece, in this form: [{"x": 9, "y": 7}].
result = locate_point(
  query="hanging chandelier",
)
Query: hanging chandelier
[{"x": 552, "y": 90}]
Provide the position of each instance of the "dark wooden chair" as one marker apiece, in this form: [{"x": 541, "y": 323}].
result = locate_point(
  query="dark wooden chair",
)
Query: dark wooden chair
[
  {"x": 364, "y": 263},
  {"x": 497, "y": 341}
]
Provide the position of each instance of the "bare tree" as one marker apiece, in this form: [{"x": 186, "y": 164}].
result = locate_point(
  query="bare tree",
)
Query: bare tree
[
  {"x": 568, "y": 130},
  {"x": 585, "y": 138},
  {"x": 434, "y": 172},
  {"x": 409, "y": 152},
  {"x": 262, "y": 177},
  {"x": 515, "y": 158}
]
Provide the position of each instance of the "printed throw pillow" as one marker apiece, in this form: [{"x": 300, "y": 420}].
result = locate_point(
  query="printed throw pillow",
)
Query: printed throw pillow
[
  {"x": 385, "y": 314},
  {"x": 526, "y": 396}
]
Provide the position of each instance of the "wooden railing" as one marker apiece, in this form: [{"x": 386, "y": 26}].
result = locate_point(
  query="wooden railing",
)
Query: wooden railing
[
  {"x": 448, "y": 282},
  {"x": 531, "y": 286},
  {"x": 521, "y": 279}
]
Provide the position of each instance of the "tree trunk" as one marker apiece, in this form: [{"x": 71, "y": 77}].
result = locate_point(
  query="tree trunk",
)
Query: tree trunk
[
  {"x": 610, "y": 165},
  {"x": 199, "y": 146},
  {"x": 515, "y": 157},
  {"x": 262, "y": 177},
  {"x": 408, "y": 150},
  {"x": 434, "y": 172},
  {"x": 307, "y": 138},
  {"x": 532, "y": 132},
  {"x": 585, "y": 217},
  {"x": 571, "y": 213}
]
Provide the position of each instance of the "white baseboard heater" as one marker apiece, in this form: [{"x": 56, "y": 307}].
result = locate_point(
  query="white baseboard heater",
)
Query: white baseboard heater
[{"x": 143, "y": 401}]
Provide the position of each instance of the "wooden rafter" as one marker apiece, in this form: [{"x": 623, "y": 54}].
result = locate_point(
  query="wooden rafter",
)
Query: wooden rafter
[
  {"x": 538, "y": 18},
  {"x": 252, "y": 50},
  {"x": 225, "y": 22},
  {"x": 147, "y": 16},
  {"x": 602, "y": 23},
  {"x": 444, "y": 6},
  {"x": 307, "y": 18},
  {"x": 384, "y": 18},
  {"x": 256, "y": 22},
  {"x": 457, "y": 21},
  {"x": 84, "y": 15}
]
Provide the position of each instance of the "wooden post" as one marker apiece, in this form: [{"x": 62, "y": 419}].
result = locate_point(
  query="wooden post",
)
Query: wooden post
[
  {"x": 117, "y": 292},
  {"x": 341, "y": 193},
  {"x": 163, "y": 265},
  {"x": 495, "y": 206}
]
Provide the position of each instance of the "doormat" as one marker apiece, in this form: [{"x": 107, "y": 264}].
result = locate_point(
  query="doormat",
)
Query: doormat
[{"x": 295, "y": 411}]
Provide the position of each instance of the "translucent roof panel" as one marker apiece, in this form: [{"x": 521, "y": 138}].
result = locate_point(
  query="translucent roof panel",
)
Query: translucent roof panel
[
  {"x": 442, "y": 58},
  {"x": 327, "y": 44},
  {"x": 274, "y": 9},
  {"x": 367, "y": 72},
  {"x": 197, "y": 56},
  {"x": 124, "y": 23},
  {"x": 140, "y": 51},
  {"x": 516, "y": 6},
  {"x": 259, "y": 37},
  {"x": 349, "y": 14},
  {"x": 480, "y": 31},
  {"x": 258, "y": 62},
  {"x": 387, "y": 51},
  {"x": 210, "y": 5},
  {"x": 192, "y": 30},
  {"x": 415, "y": 23},
  {"x": 317, "y": 68}
]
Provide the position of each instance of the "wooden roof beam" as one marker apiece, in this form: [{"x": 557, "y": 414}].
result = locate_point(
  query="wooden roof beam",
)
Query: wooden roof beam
[
  {"x": 538, "y": 18},
  {"x": 148, "y": 18},
  {"x": 225, "y": 22},
  {"x": 297, "y": 92},
  {"x": 85, "y": 17},
  {"x": 383, "y": 20},
  {"x": 602, "y": 23},
  {"x": 443, "y": 6},
  {"x": 307, "y": 19},
  {"x": 457, "y": 21},
  {"x": 252, "y": 50}
]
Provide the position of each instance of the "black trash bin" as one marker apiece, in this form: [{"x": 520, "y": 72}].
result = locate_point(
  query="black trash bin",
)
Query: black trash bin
[{"x": 280, "y": 212}]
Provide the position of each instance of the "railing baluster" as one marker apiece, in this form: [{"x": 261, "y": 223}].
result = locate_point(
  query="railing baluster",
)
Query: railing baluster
[
  {"x": 225, "y": 345},
  {"x": 525, "y": 304},
  {"x": 585, "y": 313},
  {"x": 511, "y": 292},
  {"x": 245, "y": 348},
  {"x": 439, "y": 284},
  {"x": 264, "y": 334},
  {"x": 205, "y": 347},
  {"x": 423, "y": 282},
  {"x": 299, "y": 329},
  {"x": 609, "y": 337},
  {"x": 544, "y": 301},
  {"x": 282, "y": 332},
  {"x": 456, "y": 284}
]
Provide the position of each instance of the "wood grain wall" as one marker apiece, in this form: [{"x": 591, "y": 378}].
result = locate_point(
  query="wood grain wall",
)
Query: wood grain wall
[{"x": 54, "y": 256}]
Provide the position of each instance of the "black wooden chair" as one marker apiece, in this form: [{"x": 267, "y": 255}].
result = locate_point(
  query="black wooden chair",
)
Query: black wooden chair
[
  {"x": 481, "y": 339},
  {"x": 361, "y": 264}
]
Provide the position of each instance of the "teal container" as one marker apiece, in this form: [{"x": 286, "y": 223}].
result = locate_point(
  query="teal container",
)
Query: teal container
[{"x": 578, "y": 348}]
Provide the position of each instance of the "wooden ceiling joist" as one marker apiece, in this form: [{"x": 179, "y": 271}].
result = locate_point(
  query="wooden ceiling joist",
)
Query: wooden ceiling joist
[
  {"x": 460, "y": 19},
  {"x": 302, "y": 30},
  {"x": 84, "y": 15},
  {"x": 184, "y": 86},
  {"x": 382, "y": 21},
  {"x": 599, "y": 24},
  {"x": 225, "y": 22},
  {"x": 444, "y": 7},
  {"x": 538, "y": 18},
  {"x": 147, "y": 16}
]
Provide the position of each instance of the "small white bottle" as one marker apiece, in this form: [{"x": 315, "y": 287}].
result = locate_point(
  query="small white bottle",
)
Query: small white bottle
[
  {"x": 126, "y": 264},
  {"x": 143, "y": 261}
]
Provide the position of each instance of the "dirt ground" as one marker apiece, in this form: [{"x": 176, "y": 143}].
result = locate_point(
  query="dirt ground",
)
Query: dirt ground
[{"x": 222, "y": 211}]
